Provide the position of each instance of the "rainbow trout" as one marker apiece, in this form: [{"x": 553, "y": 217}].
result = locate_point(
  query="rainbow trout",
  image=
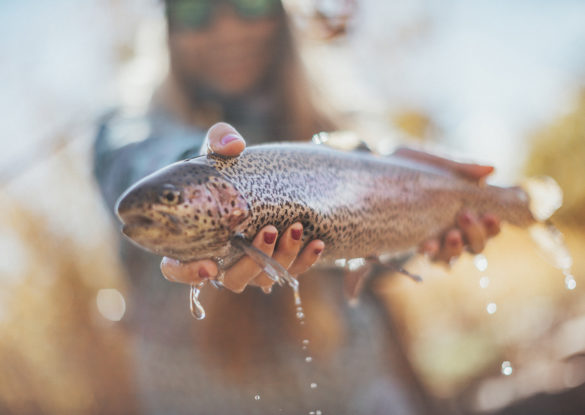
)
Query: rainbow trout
[{"x": 361, "y": 205}]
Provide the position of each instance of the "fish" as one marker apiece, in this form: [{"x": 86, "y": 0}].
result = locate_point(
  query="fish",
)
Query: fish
[{"x": 362, "y": 205}]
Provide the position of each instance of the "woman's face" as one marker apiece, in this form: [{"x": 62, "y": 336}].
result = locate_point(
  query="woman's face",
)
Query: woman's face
[{"x": 229, "y": 55}]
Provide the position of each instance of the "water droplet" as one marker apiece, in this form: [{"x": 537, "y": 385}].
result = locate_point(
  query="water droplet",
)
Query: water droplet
[
  {"x": 313, "y": 385},
  {"x": 111, "y": 304},
  {"x": 340, "y": 262},
  {"x": 312, "y": 413},
  {"x": 480, "y": 262},
  {"x": 257, "y": 397},
  {"x": 320, "y": 138},
  {"x": 356, "y": 263},
  {"x": 195, "y": 306},
  {"x": 491, "y": 308},
  {"x": 308, "y": 359},
  {"x": 484, "y": 282},
  {"x": 507, "y": 368},
  {"x": 300, "y": 313},
  {"x": 318, "y": 412},
  {"x": 570, "y": 282}
]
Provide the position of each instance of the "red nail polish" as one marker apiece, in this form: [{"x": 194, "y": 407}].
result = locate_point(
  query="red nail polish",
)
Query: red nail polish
[
  {"x": 296, "y": 234},
  {"x": 318, "y": 251},
  {"x": 269, "y": 237},
  {"x": 229, "y": 138},
  {"x": 203, "y": 273},
  {"x": 490, "y": 222},
  {"x": 465, "y": 219}
]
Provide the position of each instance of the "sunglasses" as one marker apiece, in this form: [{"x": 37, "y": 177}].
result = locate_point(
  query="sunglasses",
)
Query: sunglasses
[{"x": 197, "y": 14}]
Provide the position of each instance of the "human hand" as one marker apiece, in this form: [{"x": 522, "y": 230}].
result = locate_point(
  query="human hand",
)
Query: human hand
[
  {"x": 471, "y": 232},
  {"x": 223, "y": 139}
]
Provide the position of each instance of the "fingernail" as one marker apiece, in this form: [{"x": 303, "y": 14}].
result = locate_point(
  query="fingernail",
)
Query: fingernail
[
  {"x": 318, "y": 251},
  {"x": 453, "y": 241},
  {"x": 489, "y": 222},
  {"x": 269, "y": 237},
  {"x": 465, "y": 219},
  {"x": 296, "y": 234},
  {"x": 203, "y": 273},
  {"x": 229, "y": 138}
]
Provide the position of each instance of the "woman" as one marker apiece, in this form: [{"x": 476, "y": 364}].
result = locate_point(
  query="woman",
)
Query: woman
[{"x": 235, "y": 61}]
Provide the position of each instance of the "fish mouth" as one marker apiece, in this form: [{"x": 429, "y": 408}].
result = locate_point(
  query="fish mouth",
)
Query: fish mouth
[
  {"x": 137, "y": 220},
  {"x": 139, "y": 225},
  {"x": 134, "y": 224}
]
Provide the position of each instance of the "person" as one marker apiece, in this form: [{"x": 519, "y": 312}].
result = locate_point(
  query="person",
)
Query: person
[{"x": 235, "y": 61}]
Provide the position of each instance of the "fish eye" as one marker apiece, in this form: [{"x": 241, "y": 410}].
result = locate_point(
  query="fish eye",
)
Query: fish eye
[{"x": 170, "y": 197}]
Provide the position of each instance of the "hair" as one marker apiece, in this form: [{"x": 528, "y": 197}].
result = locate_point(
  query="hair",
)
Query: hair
[
  {"x": 294, "y": 114},
  {"x": 234, "y": 330}
]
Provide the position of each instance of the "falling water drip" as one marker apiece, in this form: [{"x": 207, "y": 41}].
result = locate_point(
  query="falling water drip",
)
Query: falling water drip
[
  {"x": 484, "y": 282},
  {"x": 507, "y": 368},
  {"x": 313, "y": 385},
  {"x": 480, "y": 262},
  {"x": 491, "y": 308},
  {"x": 552, "y": 245},
  {"x": 570, "y": 282},
  {"x": 195, "y": 306},
  {"x": 299, "y": 306},
  {"x": 257, "y": 397},
  {"x": 308, "y": 359}
]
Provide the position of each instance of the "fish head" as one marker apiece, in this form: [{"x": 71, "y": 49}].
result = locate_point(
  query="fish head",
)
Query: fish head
[{"x": 186, "y": 211}]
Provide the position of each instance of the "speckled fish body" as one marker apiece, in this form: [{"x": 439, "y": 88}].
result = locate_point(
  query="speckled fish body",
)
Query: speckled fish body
[{"x": 359, "y": 204}]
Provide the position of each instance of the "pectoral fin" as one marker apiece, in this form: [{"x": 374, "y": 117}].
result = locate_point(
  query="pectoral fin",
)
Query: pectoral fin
[
  {"x": 353, "y": 282},
  {"x": 270, "y": 266}
]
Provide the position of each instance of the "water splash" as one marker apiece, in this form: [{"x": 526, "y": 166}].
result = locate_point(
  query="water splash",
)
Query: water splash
[
  {"x": 195, "y": 306},
  {"x": 320, "y": 138},
  {"x": 355, "y": 263},
  {"x": 298, "y": 304},
  {"x": 570, "y": 282}
]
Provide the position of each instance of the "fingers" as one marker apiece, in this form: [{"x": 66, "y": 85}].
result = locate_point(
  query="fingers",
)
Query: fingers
[
  {"x": 287, "y": 250},
  {"x": 224, "y": 139},
  {"x": 491, "y": 224},
  {"x": 188, "y": 272},
  {"x": 471, "y": 233},
  {"x": 242, "y": 272},
  {"x": 430, "y": 248},
  {"x": 452, "y": 246},
  {"x": 474, "y": 232},
  {"x": 307, "y": 257}
]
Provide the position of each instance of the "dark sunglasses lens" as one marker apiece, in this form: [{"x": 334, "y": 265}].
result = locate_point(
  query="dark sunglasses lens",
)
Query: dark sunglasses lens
[
  {"x": 256, "y": 8},
  {"x": 190, "y": 14}
]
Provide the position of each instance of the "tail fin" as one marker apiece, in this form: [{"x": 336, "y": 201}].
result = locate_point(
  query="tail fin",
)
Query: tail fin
[{"x": 545, "y": 196}]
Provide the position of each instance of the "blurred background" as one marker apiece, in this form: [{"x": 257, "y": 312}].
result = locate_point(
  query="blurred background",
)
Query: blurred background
[{"x": 493, "y": 81}]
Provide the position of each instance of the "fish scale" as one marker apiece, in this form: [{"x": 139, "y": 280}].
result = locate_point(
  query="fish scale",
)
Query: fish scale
[{"x": 359, "y": 204}]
